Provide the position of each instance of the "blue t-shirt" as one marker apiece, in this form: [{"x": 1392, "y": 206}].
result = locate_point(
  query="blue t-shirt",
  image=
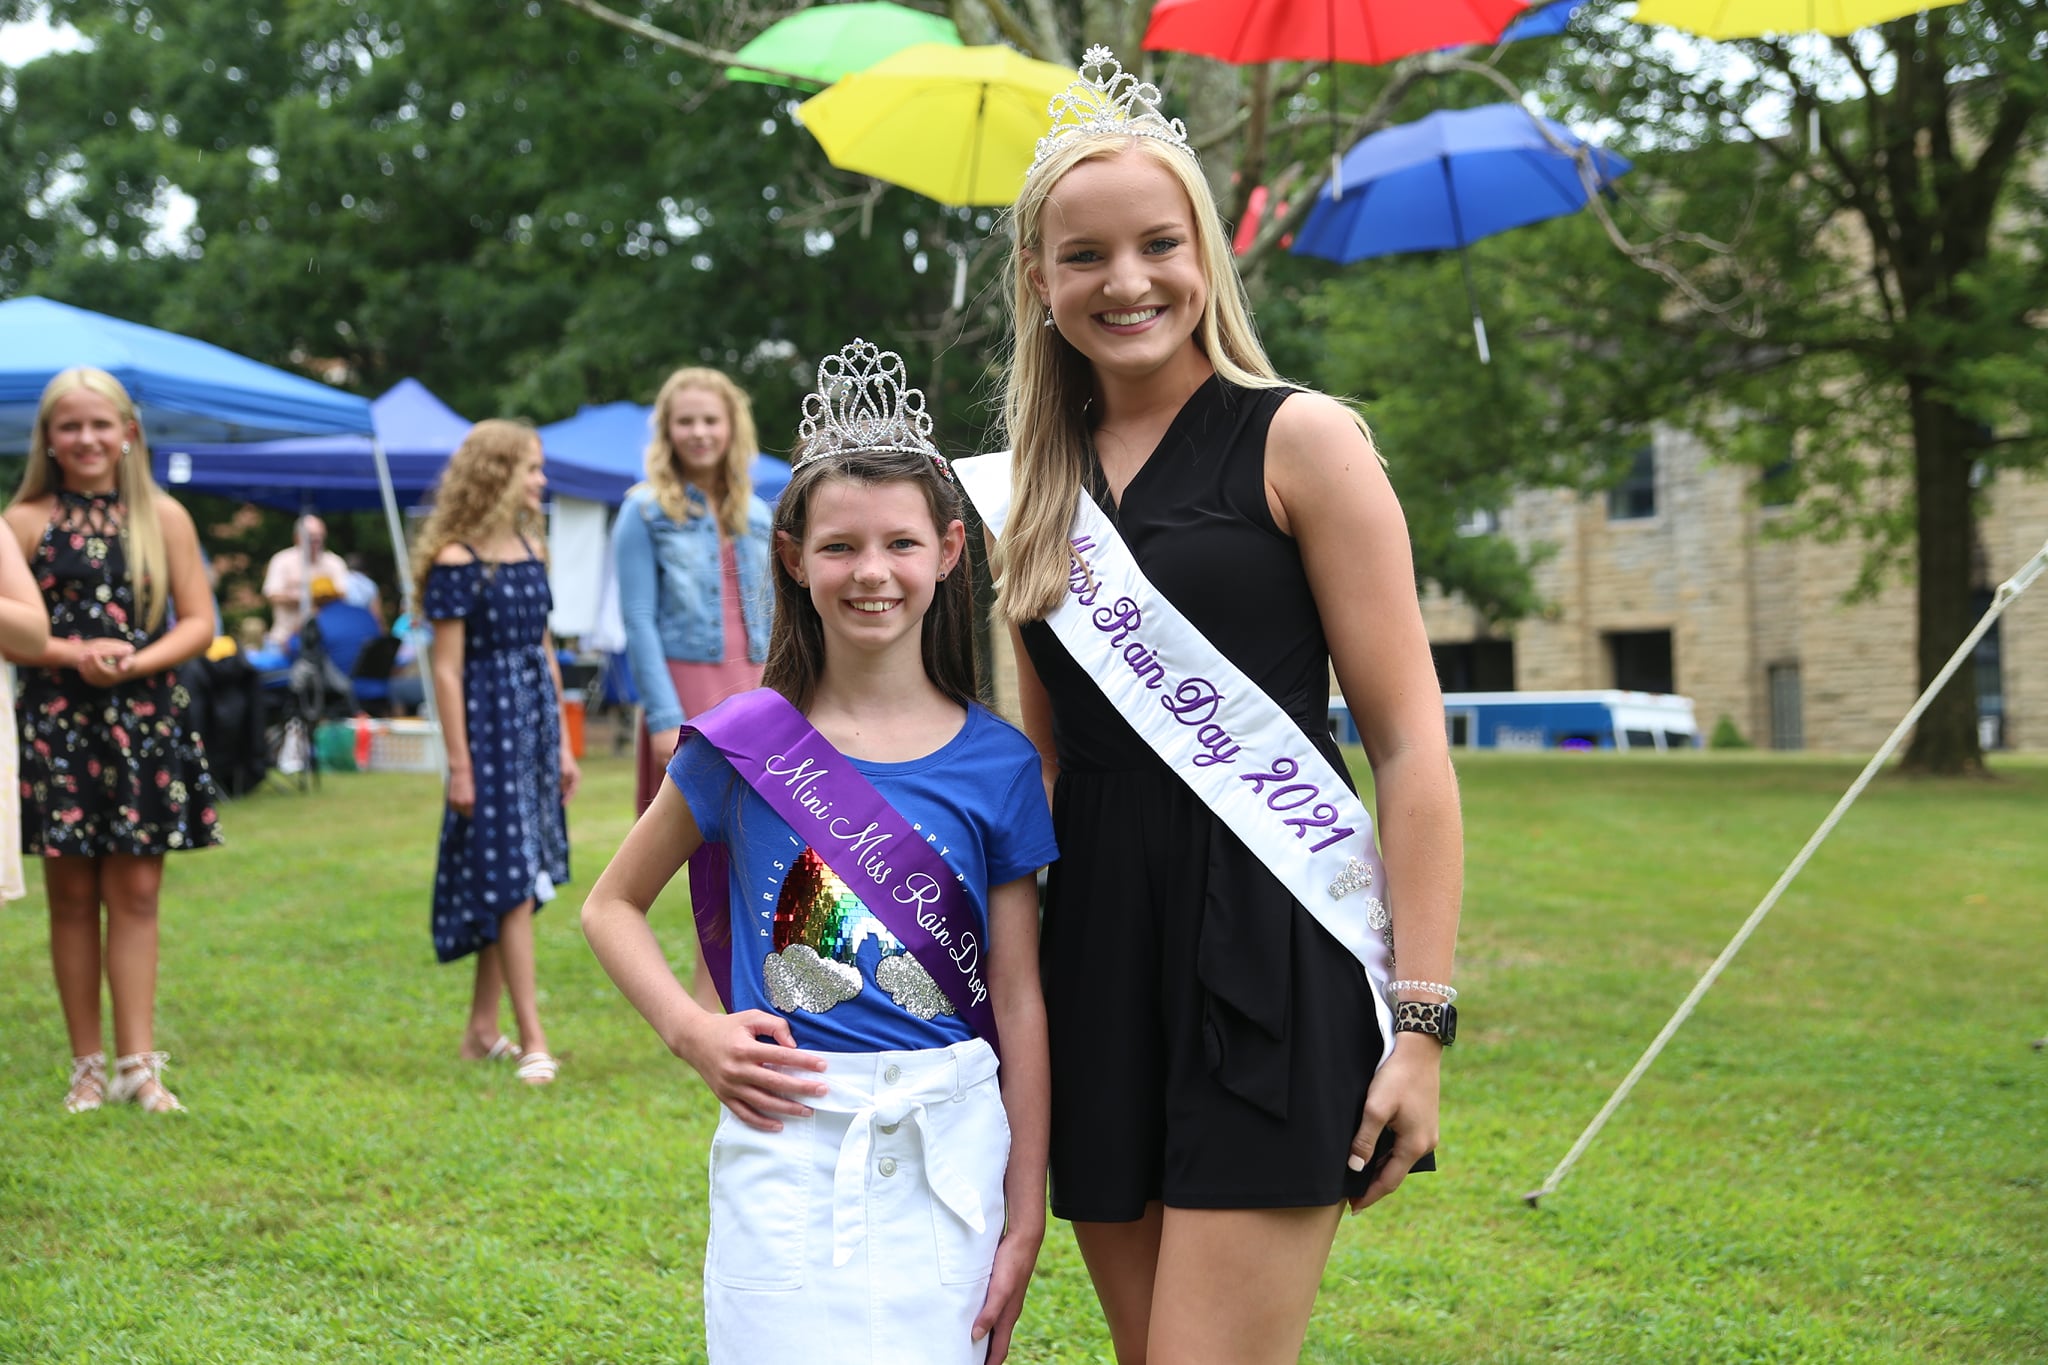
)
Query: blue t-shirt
[{"x": 979, "y": 799}]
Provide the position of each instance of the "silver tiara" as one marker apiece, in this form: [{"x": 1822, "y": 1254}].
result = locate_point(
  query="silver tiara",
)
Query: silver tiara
[
  {"x": 864, "y": 402},
  {"x": 1108, "y": 99}
]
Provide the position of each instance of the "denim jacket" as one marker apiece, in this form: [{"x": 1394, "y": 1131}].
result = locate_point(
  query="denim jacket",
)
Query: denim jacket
[{"x": 668, "y": 594}]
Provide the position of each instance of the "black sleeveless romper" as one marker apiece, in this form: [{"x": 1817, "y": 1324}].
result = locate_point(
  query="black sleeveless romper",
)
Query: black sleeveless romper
[{"x": 1211, "y": 1043}]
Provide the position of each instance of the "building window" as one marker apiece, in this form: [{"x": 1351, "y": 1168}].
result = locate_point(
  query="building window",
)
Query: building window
[
  {"x": 1788, "y": 727},
  {"x": 1635, "y": 497},
  {"x": 1641, "y": 660},
  {"x": 1475, "y": 666}
]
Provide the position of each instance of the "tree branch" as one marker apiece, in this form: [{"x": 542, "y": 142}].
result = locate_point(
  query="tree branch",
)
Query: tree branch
[{"x": 716, "y": 56}]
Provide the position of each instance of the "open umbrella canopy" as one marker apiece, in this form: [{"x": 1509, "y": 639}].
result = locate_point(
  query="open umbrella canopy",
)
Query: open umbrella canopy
[
  {"x": 955, "y": 124},
  {"x": 1754, "y": 18},
  {"x": 610, "y": 439},
  {"x": 1543, "y": 21},
  {"x": 1366, "y": 32},
  {"x": 185, "y": 389},
  {"x": 825, "y": 42},
  {"x": 1449, "y": 179}
]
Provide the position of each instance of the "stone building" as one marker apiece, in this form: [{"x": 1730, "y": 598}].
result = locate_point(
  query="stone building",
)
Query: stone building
[{"x": 1670, "y": 583}]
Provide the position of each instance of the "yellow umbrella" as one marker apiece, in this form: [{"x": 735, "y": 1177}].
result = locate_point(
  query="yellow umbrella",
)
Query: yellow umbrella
[
  {"x": 955, "y": 124},
  {"x": 1754, "y": 18}
]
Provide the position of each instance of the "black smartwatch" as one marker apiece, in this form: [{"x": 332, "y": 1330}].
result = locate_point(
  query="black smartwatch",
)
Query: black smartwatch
[{"x": 1423, "y": 1016}]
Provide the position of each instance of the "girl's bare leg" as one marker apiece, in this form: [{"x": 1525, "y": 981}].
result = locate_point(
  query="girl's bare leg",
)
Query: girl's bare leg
[
  {"x": 483, "y": 1027},
  {"x": 515, "y": 948},
  {"x": 73, "y": 889},
  {"x": 1237, "y": 1286},
  {"x": 131, "y": 886}
]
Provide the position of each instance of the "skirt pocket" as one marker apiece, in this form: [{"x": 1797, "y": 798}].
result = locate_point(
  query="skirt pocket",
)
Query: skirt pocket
[
  {"x": 761, "y": 1190},
  {"x": 975, "y": 1131}
]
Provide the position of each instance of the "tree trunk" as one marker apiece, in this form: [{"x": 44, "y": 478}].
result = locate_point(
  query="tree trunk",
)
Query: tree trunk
[{"x": 1944, "y": 443}]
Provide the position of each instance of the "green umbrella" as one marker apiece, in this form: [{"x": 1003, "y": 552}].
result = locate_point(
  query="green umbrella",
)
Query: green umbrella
[{"x": 825, "y": 42}]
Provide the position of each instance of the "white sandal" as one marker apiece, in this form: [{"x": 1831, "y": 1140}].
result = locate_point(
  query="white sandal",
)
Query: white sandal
[
  {"x": 88, "y": 1089},
  {"x": 502, "y": 1050},
  {"x": 133, "y": 1077},
  {"x": 537, "y": 1068}
]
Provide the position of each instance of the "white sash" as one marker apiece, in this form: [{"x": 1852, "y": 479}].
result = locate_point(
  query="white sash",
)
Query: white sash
[{"x": 1217, "y": 729}]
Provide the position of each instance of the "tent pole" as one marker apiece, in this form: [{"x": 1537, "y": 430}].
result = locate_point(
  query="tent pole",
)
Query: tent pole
[{"x": 406, "y": 587}]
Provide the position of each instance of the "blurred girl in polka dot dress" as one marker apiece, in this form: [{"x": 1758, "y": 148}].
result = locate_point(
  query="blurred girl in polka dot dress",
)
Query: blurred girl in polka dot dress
[{"x": 504, "y": 836}]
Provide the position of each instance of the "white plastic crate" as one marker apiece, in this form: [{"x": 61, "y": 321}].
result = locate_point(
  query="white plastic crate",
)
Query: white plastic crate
[{"x": 405, "y": 746}]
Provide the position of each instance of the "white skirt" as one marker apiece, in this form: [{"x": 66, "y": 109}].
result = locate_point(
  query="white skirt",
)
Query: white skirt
[{"x": 864, "y": 1234}]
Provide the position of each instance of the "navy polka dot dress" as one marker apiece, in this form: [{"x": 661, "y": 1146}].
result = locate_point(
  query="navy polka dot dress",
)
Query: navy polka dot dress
[{"x": 514, "y": 846}]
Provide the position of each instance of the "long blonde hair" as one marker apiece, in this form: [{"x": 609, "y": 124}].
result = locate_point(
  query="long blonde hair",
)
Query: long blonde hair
[
  {"x": 665, "y": 471},
  {"x": 1045, "y": 401},
  {"x": 480, "y": 495},
  {"x": 142, "y": 535}
]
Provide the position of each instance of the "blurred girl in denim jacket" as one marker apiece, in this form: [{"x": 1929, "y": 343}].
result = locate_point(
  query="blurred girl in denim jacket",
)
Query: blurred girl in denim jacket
[{"x": 691, "y": 546}]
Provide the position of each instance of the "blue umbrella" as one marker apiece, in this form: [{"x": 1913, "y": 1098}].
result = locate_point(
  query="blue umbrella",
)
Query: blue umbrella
[
  {"x": 1450, "y": 179},
  {"x": 1542, "y": 21},
  {"x": 185, "y": 389}
]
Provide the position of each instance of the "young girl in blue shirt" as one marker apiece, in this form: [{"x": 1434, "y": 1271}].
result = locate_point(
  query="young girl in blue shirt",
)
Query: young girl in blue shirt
[{"x": 877, "y": 1179}]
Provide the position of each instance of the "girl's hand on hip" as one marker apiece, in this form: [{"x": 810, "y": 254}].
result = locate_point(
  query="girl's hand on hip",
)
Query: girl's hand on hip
[
  {"x": 1016, "y": 1255},
  {"x": 462, "y": 793},
  {"x": 751, "y": 1077},
  {"x": 1403, "y": 1097}
]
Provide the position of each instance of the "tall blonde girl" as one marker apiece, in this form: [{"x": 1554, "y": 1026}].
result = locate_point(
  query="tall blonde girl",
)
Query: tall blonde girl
[
  {"x": 1215, "y": 1100},
  {"x": 111, "y": 778},
  {"x": 504, "y": 836}
]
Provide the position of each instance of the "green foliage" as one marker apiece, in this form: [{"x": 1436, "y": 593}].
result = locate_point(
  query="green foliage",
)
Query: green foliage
[
  {"x": 1726, "y": 736},
  {"x": 1800, "y": 1179}
]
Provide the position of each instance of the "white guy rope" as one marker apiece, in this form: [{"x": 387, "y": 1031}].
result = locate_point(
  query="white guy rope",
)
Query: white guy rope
[{"x": 2007, "y": 592}]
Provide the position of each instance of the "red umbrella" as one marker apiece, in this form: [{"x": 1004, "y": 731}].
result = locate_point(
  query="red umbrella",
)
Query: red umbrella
[{"x": 1366, "y": 32}]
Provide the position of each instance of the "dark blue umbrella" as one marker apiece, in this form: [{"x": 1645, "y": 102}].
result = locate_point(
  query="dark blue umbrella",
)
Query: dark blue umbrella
[
  {"x": 1451, "y": 179},
  {"x": 1542, "y": 21}
]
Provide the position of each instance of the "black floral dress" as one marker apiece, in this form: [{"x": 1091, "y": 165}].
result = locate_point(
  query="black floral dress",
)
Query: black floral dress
[
  {"x": 104, "y": 769},
  {"x": 514, "y": 845}
]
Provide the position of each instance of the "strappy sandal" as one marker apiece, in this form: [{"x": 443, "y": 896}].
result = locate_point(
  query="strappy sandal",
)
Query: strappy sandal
[
  {"x": 538, "y": 1068},
  {"x": 88, "y": 1088},
  {"x": 502, "y": 1049},
  {"x": 140, "y": 1077}
]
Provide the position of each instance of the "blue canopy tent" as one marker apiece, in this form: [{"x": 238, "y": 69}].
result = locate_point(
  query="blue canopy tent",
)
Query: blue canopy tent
[
  {"x": 186, "y": 390},
  {"x": 416, "y": 430},
  {"x": 610, "y": 440}
]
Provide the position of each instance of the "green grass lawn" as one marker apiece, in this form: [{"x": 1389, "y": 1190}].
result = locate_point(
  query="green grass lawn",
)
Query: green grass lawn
[{"x": 1842, "y": 1157}]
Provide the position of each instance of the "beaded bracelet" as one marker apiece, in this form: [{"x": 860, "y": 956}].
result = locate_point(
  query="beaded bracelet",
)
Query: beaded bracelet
[{"x": 1449, "y": 993}]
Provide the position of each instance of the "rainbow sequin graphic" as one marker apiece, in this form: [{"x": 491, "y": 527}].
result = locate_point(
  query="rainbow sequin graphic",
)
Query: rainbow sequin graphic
[
  {"x": 820, "y": 927},
  {"x": 818, "y": 910}
]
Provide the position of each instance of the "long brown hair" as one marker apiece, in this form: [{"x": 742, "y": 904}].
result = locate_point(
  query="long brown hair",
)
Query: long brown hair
[
  {"x": 142, "y": 536},
  {"x": 479, "y": 494},
  {"x": 665, "y": 472},
  {"x": 796, "y": 642}
]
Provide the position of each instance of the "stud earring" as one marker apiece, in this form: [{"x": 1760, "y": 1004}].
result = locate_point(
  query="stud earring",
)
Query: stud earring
[
  {"x": 1048, "y": 318},
  {"x": 942, "y": 575},
  {"x": 126, "y": 447}
]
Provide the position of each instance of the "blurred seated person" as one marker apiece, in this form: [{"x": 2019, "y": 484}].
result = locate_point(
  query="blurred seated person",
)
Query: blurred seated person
[
  {"x": 408, "y": 693},
  {"x": 285, "y": 580},
  {"x": 253, "y": 635},
  {"x": 361, "y": 590}
]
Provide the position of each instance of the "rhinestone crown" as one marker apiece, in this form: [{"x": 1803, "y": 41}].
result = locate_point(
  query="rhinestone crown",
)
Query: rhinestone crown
[
  {"x": 1108, "y": 99},
  {"x": 864, "y": 402}
]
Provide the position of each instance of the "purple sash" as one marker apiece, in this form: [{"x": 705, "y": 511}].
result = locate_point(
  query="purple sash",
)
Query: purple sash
[{"x": 896, "y": 871}]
